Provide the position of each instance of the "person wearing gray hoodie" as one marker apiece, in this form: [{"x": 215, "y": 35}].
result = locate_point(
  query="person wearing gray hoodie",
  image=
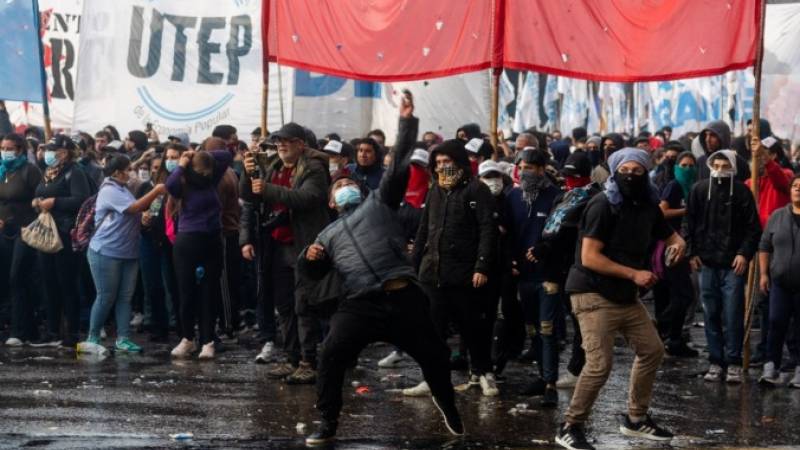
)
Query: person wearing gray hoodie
[
  {"x": 714, "y": 137},
  {"x": 723, "y": 232},
  {"x": 779, "y": 263}
]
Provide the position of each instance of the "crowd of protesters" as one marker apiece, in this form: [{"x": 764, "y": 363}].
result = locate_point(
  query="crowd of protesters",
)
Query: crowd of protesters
[{"x": 322, "y": 246}]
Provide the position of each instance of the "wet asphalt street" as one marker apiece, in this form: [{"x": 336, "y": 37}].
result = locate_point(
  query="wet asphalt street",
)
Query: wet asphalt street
[{"x": 51, "y": 399}]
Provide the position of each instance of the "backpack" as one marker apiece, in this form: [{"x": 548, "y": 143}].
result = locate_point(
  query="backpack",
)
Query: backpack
[
  {"x": 84, "y": 228},
  {"x": 567, "y": 213}
]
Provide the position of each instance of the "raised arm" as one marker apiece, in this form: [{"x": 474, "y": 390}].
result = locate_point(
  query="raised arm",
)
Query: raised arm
[{"x": 395, "y": 180}]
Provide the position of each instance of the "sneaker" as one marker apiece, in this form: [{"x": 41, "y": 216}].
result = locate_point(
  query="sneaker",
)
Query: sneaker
[
  {"x": 527, "y": 356},
  {"x": 305, "y": 374},
  {"x": 103, "y": 333},
  {"x": 281, "y": 371},
  {"x": 14, "y": 342},
  {"x": 488, "y": 386},
  {"x": 420, "y": 390},
  {"x": 392, "y": 360},
  {"x": 681, "y": 350},
  {"x": 795, "y": 381},
  {"x": 266, "y": 356},
  {"x": 550, "y": 399},
  {"x": 475, "y": 380},
  {"x": 534, "y": 388},
  {"x": 137, "y": 320},
  {"x": 126, "y": 345},
  {"x": 646, "y": 429},
  {"x": 91, "y": 346},
  {"x": 734, "y": 375},
  {"x": 325, "y": 434},
  {"x": 46, "y": 341},
  {"x": 184, "y": 349},
  {"x": 568, "y": 380},
  {"x": 452, "y": 420},
  {"x": 769, "y": 376},
  {"x": 572, "y": 437},
  {"x": 207, "y": 352},
  {"x": 714, "y": 373}
]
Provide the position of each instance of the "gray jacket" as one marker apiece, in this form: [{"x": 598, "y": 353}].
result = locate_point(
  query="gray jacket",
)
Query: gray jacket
[
  {"x": 781, "y": 239},
  {"x": 366, "y": 246}
]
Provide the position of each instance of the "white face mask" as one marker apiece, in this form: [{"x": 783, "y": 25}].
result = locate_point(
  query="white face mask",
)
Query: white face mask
[
  {"x": 725, "y": 173},
  {"x": 495, "y": 185},
  {"x": 333, "y": 167},
  {"x": 144, "y": 175}
]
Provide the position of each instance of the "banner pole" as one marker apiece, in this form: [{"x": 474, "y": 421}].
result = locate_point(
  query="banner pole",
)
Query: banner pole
[
  {"x": 265, "y": 11},
  {"x": 754, "y": 180},
  {"x": 495, "y": 100},
  {"x": 48, "y": 128}
]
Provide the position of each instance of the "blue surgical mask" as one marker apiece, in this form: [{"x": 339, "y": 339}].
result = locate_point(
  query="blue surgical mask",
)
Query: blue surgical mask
[
  {"x": 50, "y": 158},
  {"x": 8, "y": 155},
  {"x": 347, "y": 196},
  {"x": 171, "y": 165}
]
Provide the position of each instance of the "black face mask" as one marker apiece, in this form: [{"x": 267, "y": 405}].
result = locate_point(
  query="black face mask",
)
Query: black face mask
[
  {"x": 632, "y": 186},
  {"x": 197, "y": 180}
]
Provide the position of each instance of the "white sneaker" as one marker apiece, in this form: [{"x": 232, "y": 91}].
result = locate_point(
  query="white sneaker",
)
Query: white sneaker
[
  {"x": 392, "y": 359},
  {"x": 568, "y": 380},
  {"x": 137, "y": 319},
  {"x": 184, "y": 349},
  {"x": 420, "y": 390},
  {"x": 714, "y": 373},
  {"x": 769, "y": 375},
  {"x": 734, "y": 375},
  {"x": 208, "y": 351},
  {"x": 795, "y": 381},
  {"x": 103, "y": 333},
  {"x": 489, "y": 386},
  {"x": 91, "y": 348},
  {"x": 14, "y": 342},
  {"x": 266, "y": 353},
  {"x": 474, "y": 380}
]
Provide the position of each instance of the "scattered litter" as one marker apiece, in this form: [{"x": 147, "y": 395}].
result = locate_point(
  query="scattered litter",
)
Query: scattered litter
[
  {"x": 392, "y": 377},
  {"x": 526, "y": 412},
  {"x": 42, "y": 392},
  {"x": 393, "y": 391},
  {"x": 540, "y": 441},
  {"x": 362, "y": 390},
  {"x": 137, "y": 381},
  {"x": 362, "y": 416},
  {"x": 41, "y": 358},
  {"x": 355, "y": 384},
  {"x": 521, "y": 406},
  {"x": 301, "y": 427},
  {"x": 53, "y": 428},
  {"x": 181, "y": 436},
  {"x": 717, "y": 431}
]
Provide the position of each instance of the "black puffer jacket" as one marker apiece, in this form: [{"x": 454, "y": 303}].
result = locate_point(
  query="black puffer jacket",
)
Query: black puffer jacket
[
  {"x": 70, "y": 189},
  {"x": 457, "y": 234},
  {"x": 366, "y": 246}
]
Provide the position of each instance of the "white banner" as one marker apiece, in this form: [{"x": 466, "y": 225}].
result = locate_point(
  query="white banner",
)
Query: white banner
[
  {"x": 180, "y": 69},
  {"x": 781, "y": 76}
]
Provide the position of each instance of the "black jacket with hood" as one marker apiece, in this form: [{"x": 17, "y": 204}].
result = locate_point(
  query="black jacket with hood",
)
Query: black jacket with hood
[
  {"x": 601, "y": 172},
  {"x": 366, "y": 246},
  {"x": 457, "y": 234},
  {"x": 723, "y": 132},
  {"x": 722, "y": 220}
]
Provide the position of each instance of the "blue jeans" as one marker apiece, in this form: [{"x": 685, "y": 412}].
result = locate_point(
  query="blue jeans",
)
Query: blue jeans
[
  {"x": 115, "y": 280},
  {"x": 722, "y": 293},
  {"x": 544, "y": 309}
]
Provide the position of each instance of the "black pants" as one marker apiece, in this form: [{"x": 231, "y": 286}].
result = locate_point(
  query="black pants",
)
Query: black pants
[
  {"x": 231, "y": 279},
  {"x": 672, "y": 296},
  {"x": 198, "y": 294},
  {"x": 60, "y": 272},
  {"x": 509, "y": 328},
  {"x": 400, "y": 318},
  {"x": 18, "y": 264},
  {"x": 466, "y": 307},
  {"x": 280, "y": 287}
]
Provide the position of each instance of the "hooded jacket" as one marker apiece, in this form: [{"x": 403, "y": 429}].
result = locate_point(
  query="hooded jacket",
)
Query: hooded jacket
[
  {"x": 723, "y": 132},
  {"x": 457, "y": 232},
  {"x": 782, "y": 240},
  {"x": 601, "y": 172},
  {"x": 472, "y": 130},
  {"x": 722, "y": 221},
  {"x": 368, "y": 176},
  {"x": 366, "y": 246}
]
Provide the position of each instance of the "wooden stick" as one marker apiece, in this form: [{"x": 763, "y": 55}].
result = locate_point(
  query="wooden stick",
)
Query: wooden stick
[
  {"x": 754, "y": 166},
  {"x": 48, "y": 128},
  {"x": 494, "y": 109},
  {"x": 264, "y": 104}
]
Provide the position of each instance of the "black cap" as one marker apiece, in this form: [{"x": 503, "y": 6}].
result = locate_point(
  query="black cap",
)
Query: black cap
[
  {"x": 60, "y": 141},
  {"x": 290, "y": 131},
  {"x": 577, "y": 164},
  {"x": 534, "y": 156}
]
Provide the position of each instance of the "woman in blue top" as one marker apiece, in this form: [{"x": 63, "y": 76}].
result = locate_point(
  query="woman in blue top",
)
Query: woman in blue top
[{"x": 113, "y": 253}]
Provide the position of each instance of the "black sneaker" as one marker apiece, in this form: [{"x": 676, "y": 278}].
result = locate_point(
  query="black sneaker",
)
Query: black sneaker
[
  {"x": 46, "y": 341},
  {"x": 452, "y": 420},
  {"x": 325, "y": 434},
  {"x": 550, "y": 399},
  {"x": 646, "y": 429},
  {"x": 534, "y": 388},
  {"x": 572, "y": 437},
  {"x": 681, "y": 350}
]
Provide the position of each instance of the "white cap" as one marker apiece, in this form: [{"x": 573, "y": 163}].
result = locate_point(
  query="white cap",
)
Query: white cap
[
  {"x": 420, "y": 156},
  {"x": 488, "y": 167},
  {"x": 768, "y": 142},
  {"x": 506, "y": 167},
  {"x": 474, "y": 145},
  {"x": 115, "y": 144},
  {"x": 333, "y": 147}
]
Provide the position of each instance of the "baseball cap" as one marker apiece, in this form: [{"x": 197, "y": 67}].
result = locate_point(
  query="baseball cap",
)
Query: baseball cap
[
  {"x": 420, "y": 156},
  {"x": 488, "y": 167},
  {"x": 290, "y": 131},
  {"x": 60, "y": 141}
]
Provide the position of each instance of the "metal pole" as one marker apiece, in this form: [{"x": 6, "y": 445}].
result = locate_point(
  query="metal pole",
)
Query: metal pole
[{"x": 495, "y": 100}]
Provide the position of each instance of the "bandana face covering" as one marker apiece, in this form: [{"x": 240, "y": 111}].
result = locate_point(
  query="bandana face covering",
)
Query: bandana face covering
[
  {"x": 448, "y": 176},
  {"x": 531, "y": 184}
]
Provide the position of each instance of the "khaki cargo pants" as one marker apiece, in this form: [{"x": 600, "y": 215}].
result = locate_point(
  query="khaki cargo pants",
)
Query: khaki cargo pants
[{"x": 600, "y": 320}]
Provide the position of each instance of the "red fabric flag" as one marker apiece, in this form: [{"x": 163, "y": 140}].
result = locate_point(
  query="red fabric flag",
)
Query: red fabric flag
[
  {"x": 610, "y": 40},
  {"x": 381, "y": 40},
  {"x": 631, "y": 40}
]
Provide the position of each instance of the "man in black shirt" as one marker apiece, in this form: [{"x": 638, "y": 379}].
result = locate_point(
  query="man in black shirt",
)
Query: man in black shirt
[{"x": 611, "y": 264}]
